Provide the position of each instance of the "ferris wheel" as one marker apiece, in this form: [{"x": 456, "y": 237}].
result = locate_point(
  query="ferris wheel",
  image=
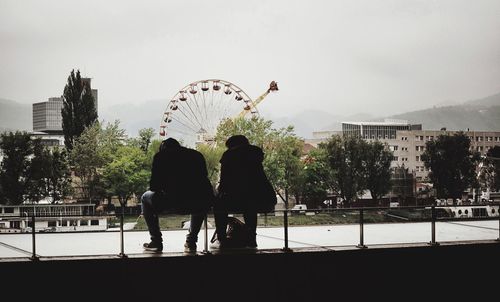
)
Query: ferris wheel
[{"x": 193, "y": 113}]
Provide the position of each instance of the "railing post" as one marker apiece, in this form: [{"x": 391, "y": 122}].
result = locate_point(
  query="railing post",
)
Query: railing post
[
  {"x": 498, "y": 239},
  {"x": 122, "y": 252},
  {"x": 285, "y": 223},
  {"x": 433, "y": 226},
  {"x": 361, "y": 244},
  {"x": 205, "y": 248},
  {"x": 33, "y": 241}
]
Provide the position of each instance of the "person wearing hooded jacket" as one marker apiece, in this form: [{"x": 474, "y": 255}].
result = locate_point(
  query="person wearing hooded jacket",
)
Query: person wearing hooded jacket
[
  {"x": 179, "y": 184},
  {"x": 243, "y": 188}
]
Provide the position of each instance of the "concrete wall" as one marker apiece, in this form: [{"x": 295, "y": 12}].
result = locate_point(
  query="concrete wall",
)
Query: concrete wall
[{"x": 398, "y": 273}]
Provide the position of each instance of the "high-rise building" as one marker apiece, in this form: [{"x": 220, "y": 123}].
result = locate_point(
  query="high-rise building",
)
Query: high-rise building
[
  {"x": 47, "y": 116},
  {"x": 87, "y": 82}
]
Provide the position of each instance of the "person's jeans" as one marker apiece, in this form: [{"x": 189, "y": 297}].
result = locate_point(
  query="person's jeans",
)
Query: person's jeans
[
  {"x": 151, "y": 216},
  {"x": 194, "y": 227}
]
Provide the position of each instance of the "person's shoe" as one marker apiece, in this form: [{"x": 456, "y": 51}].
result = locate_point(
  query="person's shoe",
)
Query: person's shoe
[
  {"x": 189, "y": 247},
  {"x": 252, "y": 243},
  {"x": 156, "y": 247},
  {"x": 220, "y": 245}
]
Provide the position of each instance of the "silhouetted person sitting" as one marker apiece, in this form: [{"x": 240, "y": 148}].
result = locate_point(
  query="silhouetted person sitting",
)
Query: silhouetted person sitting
[
  {"x": 179, "y": 184},
  {"x": 243, "y": 188}
]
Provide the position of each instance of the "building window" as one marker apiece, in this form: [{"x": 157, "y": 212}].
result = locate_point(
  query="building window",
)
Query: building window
[
  {"x": 94, "y": 222},
  {"x": 395, "y": 158},
  {"x": 417, "y": 158}
]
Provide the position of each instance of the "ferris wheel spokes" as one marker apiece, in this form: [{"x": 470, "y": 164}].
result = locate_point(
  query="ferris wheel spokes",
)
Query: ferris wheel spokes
[{"x": 195, "y": 112}]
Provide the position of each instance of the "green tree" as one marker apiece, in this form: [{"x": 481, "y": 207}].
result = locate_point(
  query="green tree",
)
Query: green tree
[
  {"x": 48, "y": 174},
  {"x": 58, "y": 174},
  {"x": 452, "y": 164},
  {"x": 127, "y": 173},
  {"x": 36, "y": 184},
  {"x": 79, "y": 108},
  {"x": 152, "y": 150},
  {"x": 86, "y": 159},
  {"x": 257, "y": 130},
  {"x": 16, "y": 148},
  {"x": 212, "y": 154},
  {"x": 282, "y": 161},
  {"x": 109, "y": 139},
  {"x": 402, "y": 183},
  {"x": 346, "y": 158},
  {"x": 317, "y": 178},
  {"x": 145, "y": 137},
  {"x": 490, "y": 171},
  {"x": 378, "y": 169},
  {"x": 282, "y": 149}
]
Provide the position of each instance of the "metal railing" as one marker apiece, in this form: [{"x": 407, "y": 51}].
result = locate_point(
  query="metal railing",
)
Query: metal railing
[{"x": 433, "y": 218}]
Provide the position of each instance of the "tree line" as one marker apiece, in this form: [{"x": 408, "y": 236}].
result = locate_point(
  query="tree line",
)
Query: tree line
[{"x": 98, "y": 161}]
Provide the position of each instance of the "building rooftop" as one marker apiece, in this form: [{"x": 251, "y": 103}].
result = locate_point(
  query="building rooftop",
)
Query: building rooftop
[{"x": 386, "y": 122}]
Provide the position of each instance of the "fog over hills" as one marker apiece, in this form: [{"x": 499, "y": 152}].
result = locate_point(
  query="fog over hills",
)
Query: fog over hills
[
  {"x": 481, "y": 114},
  {"x": 15, "y": 116}
]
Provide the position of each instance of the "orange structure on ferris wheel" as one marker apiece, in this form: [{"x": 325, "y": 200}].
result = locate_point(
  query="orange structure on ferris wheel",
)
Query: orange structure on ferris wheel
[{"x": 193, "y": 113}]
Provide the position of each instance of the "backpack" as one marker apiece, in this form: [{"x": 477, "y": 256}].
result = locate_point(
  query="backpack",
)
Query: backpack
[{"x": 238, "y": 234}]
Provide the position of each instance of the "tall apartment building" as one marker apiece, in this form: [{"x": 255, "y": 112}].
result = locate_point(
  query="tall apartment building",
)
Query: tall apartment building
[
  {"x": 407, "y": 141},
  {"x": 409, "y": 146}
]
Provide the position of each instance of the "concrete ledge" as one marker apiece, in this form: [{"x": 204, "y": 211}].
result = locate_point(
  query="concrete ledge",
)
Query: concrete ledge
[{"x": 445, "y": 271}]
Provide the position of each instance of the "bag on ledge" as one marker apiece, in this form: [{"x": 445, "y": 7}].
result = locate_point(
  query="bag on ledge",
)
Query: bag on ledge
[{"x": 238, "y": 234}]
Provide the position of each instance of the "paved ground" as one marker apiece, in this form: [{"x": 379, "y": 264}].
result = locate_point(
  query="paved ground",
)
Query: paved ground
[{"x": 108, "y": 243}]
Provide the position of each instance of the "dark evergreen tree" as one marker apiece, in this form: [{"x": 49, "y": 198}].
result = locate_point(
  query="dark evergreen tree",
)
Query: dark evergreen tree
[
  {"x": 378, "y": 169},
  {"x": 346, "y": 157},
  {"x": 452, "y": 164},
  {"x": 16, "y": 148},
  {"x": 79, "y": 108},
  {"x": 317, "y": 178},
  {"x": 58, "y": 175},
  {"x": 35, "y": 178}
]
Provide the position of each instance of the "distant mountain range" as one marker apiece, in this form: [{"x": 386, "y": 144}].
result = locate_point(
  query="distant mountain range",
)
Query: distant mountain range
[
  {"x": 15, "y": 116},
  {"x": 481, "y": 115}
]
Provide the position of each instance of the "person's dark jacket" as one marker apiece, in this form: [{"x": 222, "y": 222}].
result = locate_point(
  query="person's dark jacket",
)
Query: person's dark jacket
[
  {"x": 180, "y": 181},
  {"x": 243, "y": 182}
]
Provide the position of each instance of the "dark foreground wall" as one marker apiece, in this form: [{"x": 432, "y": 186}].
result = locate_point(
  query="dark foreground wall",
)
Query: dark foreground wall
[{"x": 469, "y": 271}]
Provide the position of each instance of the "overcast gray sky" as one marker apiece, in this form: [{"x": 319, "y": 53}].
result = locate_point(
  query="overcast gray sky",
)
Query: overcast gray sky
[{"x": 339, "y": 56}]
